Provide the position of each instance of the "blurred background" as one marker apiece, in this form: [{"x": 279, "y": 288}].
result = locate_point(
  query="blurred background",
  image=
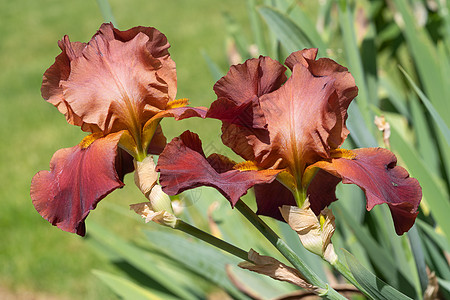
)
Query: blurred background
[{"x": 398, "y": 52}]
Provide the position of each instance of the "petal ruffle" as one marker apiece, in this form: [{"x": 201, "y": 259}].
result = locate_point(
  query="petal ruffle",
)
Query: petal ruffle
[
  {"x": 158, "y": 47},
  {"x": 112, "y": 82},
  {"x": 238, "y": 92},
  {"x": 255, "y": 77},
  {"x": 246, "y": 142},
  {"x": 78, "y": 179},
  {"x": 183, "y": 166},
  {"x": 51, "y": 89},
  {"x": 344, "y": 83},
  {"x": 300, "y": 116},
  {"x": 116, "y": 81},
  {"x": 376, "y": 172}
]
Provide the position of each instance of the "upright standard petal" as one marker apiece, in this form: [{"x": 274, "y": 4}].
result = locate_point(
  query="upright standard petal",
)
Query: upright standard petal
[
  {"x": 376, "y": 172},
  {"x": 111, "y": 84},
  {"x": 78, "y": 179},
  {"x": 157, "y": 45},
  {"x": 118, "y": 80},
  {"x": 183, "y": 166},
  {"x": 238, "y": 92},
  {"x": 344, "y": 83},
  {"x": 300, "y": 116},
  {"x": 51, "y": 89}
]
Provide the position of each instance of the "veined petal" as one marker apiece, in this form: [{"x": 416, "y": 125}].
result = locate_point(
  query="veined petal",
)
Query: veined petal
[
  {"x": 255, "y": 77},
  {"x": 344, "y": 84},
  {"x": 250, "y": 144},
  {"x": 300, "y": 116},
  {"x": 51, "y": 89},
  {"x": 238, "y": 91},
  {"x": 78, "y": 179},
  {"x": 116, "y": 81},
  {"x": 112, "y": 82},
  {"x": 246, "y": 114},
  {"x": 376, "y": 172},
  {"x": 183, "y": 166},
  {"x": 158, "y": 47}
]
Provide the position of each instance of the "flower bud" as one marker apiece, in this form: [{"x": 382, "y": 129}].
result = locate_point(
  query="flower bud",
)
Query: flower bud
[
  {"x": 145, "y": 174},
  {"x": 315, "y": 232},
  {"x": 145, "y": 177}
]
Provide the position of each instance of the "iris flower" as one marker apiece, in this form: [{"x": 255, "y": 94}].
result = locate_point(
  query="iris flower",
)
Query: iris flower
[
  {"x": 116, "y": 87},
  {"x": 289, "y": 132}
]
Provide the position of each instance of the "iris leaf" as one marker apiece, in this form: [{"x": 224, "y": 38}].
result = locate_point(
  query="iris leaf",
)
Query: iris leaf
[
  {"x": 155, "y": 266},
  {"x": 434, "y": 114},
  {"x": 128, "y": 290},
  {"x": 374, "y": 286},
  {"x": 289, "y": 34}
]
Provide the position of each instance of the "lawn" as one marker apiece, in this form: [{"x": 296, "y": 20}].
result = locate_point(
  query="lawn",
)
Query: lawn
[{"x": 36, "y": 259}]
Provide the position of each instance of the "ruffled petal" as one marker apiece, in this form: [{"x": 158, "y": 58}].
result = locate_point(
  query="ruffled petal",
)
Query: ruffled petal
[
  {"x": 158, "y": 47},
  {"x": 376, "y": 172},
  {"x": 246, "y": 114},
  {"x": 183, "y": 166},
  {"x": 116, "y": 81},
  {"x": 270, "y": 197},
  {"x": 78, "y": 179},
  {"x": 250, "y": 144},
  {"x": 300, "y": 116},
  {"x": 51, "y": 89},
  {"x": 344, "y": 84},
  {"x": 238, "y": 91},
  {"x": 113, "y": 82},
  {"x": 255, "y": 77}
]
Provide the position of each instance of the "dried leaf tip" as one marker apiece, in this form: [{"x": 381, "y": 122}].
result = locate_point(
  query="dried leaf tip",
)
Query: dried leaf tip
[
  {"x": 163, "y": 217},
  {"x": 275, "y": 269}
]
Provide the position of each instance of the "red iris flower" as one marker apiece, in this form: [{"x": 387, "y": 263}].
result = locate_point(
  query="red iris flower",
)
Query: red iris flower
[
  {"x": 117, "y": 86},
  {"x": 289, "y": 130}
]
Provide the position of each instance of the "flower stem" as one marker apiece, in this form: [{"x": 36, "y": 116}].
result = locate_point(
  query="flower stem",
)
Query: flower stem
[
  {"x": 343, "y": 269},
  {"x": 287, "y": 252},
  {"x": 210, "y": 239}
]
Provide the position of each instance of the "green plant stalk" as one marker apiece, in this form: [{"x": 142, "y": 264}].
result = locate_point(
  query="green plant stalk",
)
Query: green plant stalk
[
  {"x": 287, "y": 252},
  {"x": 344, "y": 270},
  {"x": 212, "y": 240}
]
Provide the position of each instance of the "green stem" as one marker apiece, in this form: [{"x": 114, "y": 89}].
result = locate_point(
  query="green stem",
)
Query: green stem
[
  {"x": 343, "y": 269},
  {"x": 287, "y": 252},
  {"x": 210, "y": 239}
]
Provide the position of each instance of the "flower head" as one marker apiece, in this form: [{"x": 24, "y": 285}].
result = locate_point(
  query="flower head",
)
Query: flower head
[
  {"x": 117, "y": 87},
  {"x": 293, "y": 129}
]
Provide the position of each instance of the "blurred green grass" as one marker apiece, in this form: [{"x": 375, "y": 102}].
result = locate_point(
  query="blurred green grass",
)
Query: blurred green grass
[{"x": 35, "y": 257}]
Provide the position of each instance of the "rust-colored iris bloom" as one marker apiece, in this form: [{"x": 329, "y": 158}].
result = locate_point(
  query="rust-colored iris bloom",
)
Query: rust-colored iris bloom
[
  {"x": 117, "y": 87},
  {"x": 289, "y": 130}
]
